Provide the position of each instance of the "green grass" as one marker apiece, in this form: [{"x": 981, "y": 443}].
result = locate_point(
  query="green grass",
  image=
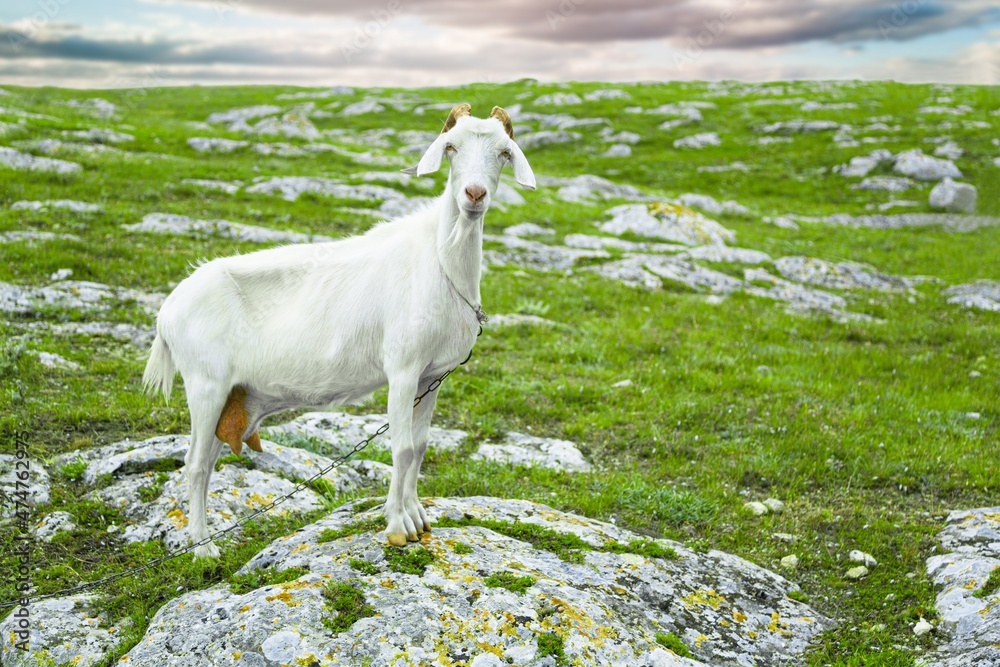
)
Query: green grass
[
  {"x": 348, "y": 605},
  {"x": 408, "y": 560},
  {"x": 510, "y": 581},
  {"x": 362, "y": 566},
  {"x": 860, "y": 428},
  {"x": 461, "y": 548},
  {"x": 551, "y": 644},
  {"x": 672, "y": 642},
  {"x": 251, "y": 581},
  {"x": 990, "y": 586}
]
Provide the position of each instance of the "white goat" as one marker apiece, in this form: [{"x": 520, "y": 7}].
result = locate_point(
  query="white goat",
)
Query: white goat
[{"x": 328, "y": 323}]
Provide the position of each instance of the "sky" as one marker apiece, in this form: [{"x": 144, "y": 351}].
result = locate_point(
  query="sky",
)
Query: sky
[{"x": 138, "y": 43}]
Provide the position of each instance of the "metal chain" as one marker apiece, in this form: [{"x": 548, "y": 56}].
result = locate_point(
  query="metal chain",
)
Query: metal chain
[{"x": 337, "y": 462}]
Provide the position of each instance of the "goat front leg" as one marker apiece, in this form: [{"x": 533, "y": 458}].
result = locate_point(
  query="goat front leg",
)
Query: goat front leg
[
  {"x": 400, "y": 526},
  {"x": 421, "y": 427}
]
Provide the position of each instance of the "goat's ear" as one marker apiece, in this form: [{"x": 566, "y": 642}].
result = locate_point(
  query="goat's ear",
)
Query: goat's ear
[
  {"x": 431, "y": 160},
  {"x": 522, "y": 170}
]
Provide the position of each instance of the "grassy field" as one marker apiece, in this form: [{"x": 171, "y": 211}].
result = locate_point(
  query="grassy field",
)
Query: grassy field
[{"x": 863, "y": 429}]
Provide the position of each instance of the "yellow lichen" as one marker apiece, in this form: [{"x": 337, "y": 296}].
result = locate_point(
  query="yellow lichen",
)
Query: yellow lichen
[
  {"x": 306, "y": 660},
  {"x": 285, "y": 597},
  {"x": 177, "y": 517},
  {"x": 242, "y": 610},
  {"x": 739, "y": 616},
  {"x": 704, "y": 598},
  {"x": 752, "y": 635},
  {"x": 699, "y": 640}
]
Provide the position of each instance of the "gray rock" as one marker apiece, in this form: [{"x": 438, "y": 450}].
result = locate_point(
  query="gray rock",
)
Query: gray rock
[
  {"x": 179, "y": 225},
  {"x": 799, "y": 299},
  {"x": 62, "y": 631},
  {"x": 982, "y": 294},
  {"x": 96, "y": 105},
  {"x": 290, "y": 187},
  {"x": 234, "y": 490},
  {"x": 588, "y": 188},
  {"x": 774, "y": 505},
  {"x": 734, "y": 166},
  {"x": 711, "y": 205},
  {"x": 25, "y": 161},
  {"x": 68, "y": 204},
  {"x": 533, "y": 140},
  {"x": 952, "y": 196},
  {"x": 700, "y": 140},
  {"x": 558, "y": 100},
  {"x": 949, "y": 222},
  {"x": 605, "y": 94},
  {"x": 361, "y": 108},
  {"x": 29, "y": 236},
  {"x": 960, "y": 110},
  {"x": 606, "y": 610},
  {"x": 68, "y": 294},
  {"x": 243, "y": 114},
  {"x": 342, "y": 431},
  {"x": 215, "y": 145},
  {"x": 52, "y": 360},
  {"x": 949, "y": 150},
  {"x": 647, "y": 271},
  {"x": 292, "y": 125},
  {"x": 623, "y": 137},
  {"x": 618, "y": 150},
  {"x": 679, "y": 224},
  {"x": 139, "y": 336},
  {"x": 886, "y": 183},
  {"x": 396, "y": 208},
  {"x": 517, "y": 319},
  {"x": 532, "y": 451},
  {"x": 720, "y": 253},
  {"x": 756, "y": 508},
  {"x": 599, "y": 242},
  {"x": 859, "y": 572},
  {"x": 535, "y": 255},
  {"x": 915, "y": 164},
  {"x": 800, "y": 126},
  {"x": 845, "y": 275},
  {"x": 100, "y": 135},
  {"x": 51, "y": 524},
  {"x": 224, "y": 186},
  {"x": 970, "y": 625},
  {"x": 528, "y": 229},
  {"x": 856, "y": 556},
  {"x": 38, "y": 483}
]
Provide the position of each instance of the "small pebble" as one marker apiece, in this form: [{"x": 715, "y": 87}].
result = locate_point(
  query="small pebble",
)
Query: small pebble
[
  {"x": 61, "y": 274},
  {"x": 859, "y": 572},
  {"x": 861, "y": 557},
  {"x": 757, "y": 508},
  {"x": 922, "y": 627},
  {"x": 623, "y": 383},
  {"x": 775, "y": 505},
  {"x": 975, "y": 374},
  {"x": 786, "y": 537},
  {"x": 790, "y": 562}
]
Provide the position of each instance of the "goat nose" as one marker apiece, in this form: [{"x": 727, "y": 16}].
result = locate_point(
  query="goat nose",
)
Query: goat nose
[{"x": 475, "y": 193}]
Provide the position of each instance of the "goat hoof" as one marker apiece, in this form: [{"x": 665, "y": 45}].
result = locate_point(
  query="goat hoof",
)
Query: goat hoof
[
  {"x": 207, "y": 551},
  {"x": 397, "y": 539}
]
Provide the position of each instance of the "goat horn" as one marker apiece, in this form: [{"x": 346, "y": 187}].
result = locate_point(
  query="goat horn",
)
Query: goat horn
[
  {"x": 456, "y": 113},
  {"x": 504, "y": 118}
]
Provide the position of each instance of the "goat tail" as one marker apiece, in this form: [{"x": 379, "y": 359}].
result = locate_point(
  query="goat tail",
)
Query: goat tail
[{"x": 160, "y": 369}]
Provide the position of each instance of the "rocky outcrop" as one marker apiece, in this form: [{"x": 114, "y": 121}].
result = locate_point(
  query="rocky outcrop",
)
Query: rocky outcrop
[
  {"x": 967, "y": 603},
  {"x": 496, "y": 582}
]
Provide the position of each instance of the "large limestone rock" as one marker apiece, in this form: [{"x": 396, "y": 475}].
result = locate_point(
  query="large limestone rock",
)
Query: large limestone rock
[
  {"x": 605, "y": 608},
  {"x": 969, "y": 622},
  {"x": 669, "y": 222},
  {"x": 156, "y": 504},
  {"x": 982, "y": 294},
  {"x": 181, "y": 225},
  {"x": 844, "y": 275},
  {"x": 915, "y": 164},
  {"x": 70, "y": 294},
  {"x": 952, "y": 196}
]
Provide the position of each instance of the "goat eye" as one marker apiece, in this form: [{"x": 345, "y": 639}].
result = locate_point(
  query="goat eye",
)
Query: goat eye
[
  {"x": 450, "y": 149},
  {"x": 505, "y": 154}
]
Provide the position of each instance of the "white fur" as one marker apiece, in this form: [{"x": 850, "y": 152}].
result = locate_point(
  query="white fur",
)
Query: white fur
[{"x": 328, "y": 323}]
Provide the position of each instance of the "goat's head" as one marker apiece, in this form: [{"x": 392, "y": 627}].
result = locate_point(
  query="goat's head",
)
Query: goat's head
[{"x": 477, "y": 148}]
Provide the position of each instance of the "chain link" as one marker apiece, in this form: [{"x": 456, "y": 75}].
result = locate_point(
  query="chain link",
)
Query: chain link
[{"x": 336, "y": 463}]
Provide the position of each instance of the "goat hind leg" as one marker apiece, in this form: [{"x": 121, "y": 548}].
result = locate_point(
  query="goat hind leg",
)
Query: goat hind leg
[
  {"x": 421, "y": 427},
  {"x": 205, "y": 405}
]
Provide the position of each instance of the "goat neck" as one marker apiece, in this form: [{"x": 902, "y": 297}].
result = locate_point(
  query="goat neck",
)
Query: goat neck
[{"x": 460, "y": 248}]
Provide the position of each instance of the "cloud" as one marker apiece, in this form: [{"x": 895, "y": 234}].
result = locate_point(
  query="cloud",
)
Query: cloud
[{"x": 734, "y": 23}]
